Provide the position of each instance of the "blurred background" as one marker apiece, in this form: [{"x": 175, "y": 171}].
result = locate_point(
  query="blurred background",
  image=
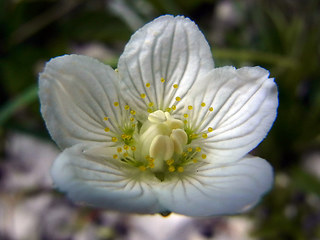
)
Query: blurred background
[{"x": 281, "y": 36}]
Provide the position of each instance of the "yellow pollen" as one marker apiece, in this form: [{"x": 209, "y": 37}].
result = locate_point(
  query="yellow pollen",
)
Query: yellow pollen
[
  {"x": 142, "y": 95},
  {"x": 114, "y": 139},
  {"x": 180, "y": 169},
  {"x": 142, "y": 168},
  {"x": 125, "y": 154},
  {"x": 150, "y": 104},
  {"x": 105, "y": 118},
  {"x": 190, "y": 107},
  {"x": 126, "y": 107},
  {"x": 168, "y": 109},
  {"x": 149, "y": 110},
  {"x": 133, "y": 112},
  {"x": 162, "y": 80},
  {"x": 131, "y": 119},
  {"x": 116, "y": 104},
  {"x": 203, "y": 104},
  {"x": 125, "y": 147},
  {"x": 175, "y": 86},
  {"x": 119, "y": 149},
  {"x": 171, "y": 168},
  {"x": 211, "y": 109},
  {"x": 185, "y": 115},
  {"x": 107, "y": 129},
  {"x": 204, "y": 135},
  {"x": 178, "y": 99},
  {"x": 189, "y": 149},
  {"x": 173, "y": 107},
  {"x": 148, "y": 84},
  {"x": 151, "y": 165},
  {"x": 194, "y": 160},
  {"x": 198, "y": 149},
  {"x": 115, "y": 156},
  {"x": 133, "y": 148},
  {"x": 210, "y": 129},
  {"x": 203, "y": 156}
]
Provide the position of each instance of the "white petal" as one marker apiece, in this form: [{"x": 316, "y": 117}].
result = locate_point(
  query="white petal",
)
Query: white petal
[
  {"x": 219, "y": 189},
  {"x": 90, "y": 176},
  {"x": 171, "y": 48},
  {"x": 76, "y": 93},
  {"x": 244, "y": 103}
]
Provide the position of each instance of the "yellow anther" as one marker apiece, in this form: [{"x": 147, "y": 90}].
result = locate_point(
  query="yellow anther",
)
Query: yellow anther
[
  {"x": 150, "y": 104},
  {"x": 123, "y": 136},
  {"x": 151, "y": 160},
  {"x": 162, "y": 80},
  {"x": 106, "y": 118},
  {"x": 194, "y": 160},
  {"x": 210, "y": 129},
  {"x": 148, "y": 84},
  {"x": 203, "y": 104},
  {"x": 133, "y": 125},
  {"x": 185, "y": 121},
  {"x": 149, "y": 110},
  {"x": 211, "y": 109},
  {"x": 125, "y": 154},
  {"x": 133, "y": 148},
  {"x": 114, "y": 139},
  {"x": 203, "y": 156},
  {"x": 151, "y": 165},
  {"x": 119, "y": 149},
  {"x": 190, "y": 107},
  {"x": 171, "y": 168},
  {"x": 142, "y": 168},
  {"x": 175, "y": 85},
  {"x": 168, "y": 109},
  {"x": 116, "y": 104},
  {"x": 185, "y": 115},
  {"x": 126, "y": 107},
  {"x": 115, "y": 156},
  {"x": 107, "y": 129},
  {"x": 142, "y": 95},
  {"x": 170, "y": 162},
  {"x": 178, "y": 99},
  {"x": 125, "y": 147},
  {"x": 131, "y": 119},
  {"x": 133, "y": 112},
  {"x": 180, "y": 169},
  {"x": 184, "y": 154},
  {"x": 194, "y": 135},
  {"x": 204, "y": 135},
  {"x": 173, "y": 107},
  {"x": 198, "y": 149},
  {"x": 189, "y": 149}
]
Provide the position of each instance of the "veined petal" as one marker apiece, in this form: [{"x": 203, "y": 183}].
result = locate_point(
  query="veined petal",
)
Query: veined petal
[
  {"x": 76, "y": 94},
  {"x": 90, "y": 176},
  {"x": 244, "y": 106},
  {"x": 216, "y": 189},
  {"x": 163, "y": 60}
]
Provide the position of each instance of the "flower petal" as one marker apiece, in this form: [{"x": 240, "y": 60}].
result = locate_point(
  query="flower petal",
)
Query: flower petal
[
  {"x": 90, "y": 176},
  {"x": 76, "y": 93},
  {"x": 219, "y": 189},
  {"x": 244, "y": 104},
  {"x": 171, "y": 49}
]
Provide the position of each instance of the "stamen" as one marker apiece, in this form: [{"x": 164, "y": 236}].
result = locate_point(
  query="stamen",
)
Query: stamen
[
  {"x": 198, "y": 149},
  {"x": 148, "y": 85},
  {"x": 204, "y": 135},
  {"x": 119, "y": 149},
  {"x": 116, "y": 104},
  {"x": 203, "y": 104},
  {"x": 171, "y": 168},
  {"x": 175, "y": 86},
  {"x": 142, "y": 95},
  {"x": 190, "y": 107},
  {"x": 133, "y": 148},
  {"x": 115, "y": 156},
  {"x": 173, "y": 107},
  {"x": 210, "y": 129},
  {"x": 203, "y": 156},
  {"x": 133, "y": 112},
  {"x": 185, "y": 115},
  {"x": 162, "y": 80},
  {"x": 211, "y": 109},
  {"x": 105, "y": 118},
  {"x": 126, "y": 107},
  {"x": 178, "y": 99},
  {"x": 107, "y": 129},
  {"x": 180, "y": 169},
  {"x": 142, "y": 168},
  {"x": 114, "y": 139}
]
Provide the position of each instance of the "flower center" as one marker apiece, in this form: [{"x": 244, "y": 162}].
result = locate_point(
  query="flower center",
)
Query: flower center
[{"x": 161, "y": 136}]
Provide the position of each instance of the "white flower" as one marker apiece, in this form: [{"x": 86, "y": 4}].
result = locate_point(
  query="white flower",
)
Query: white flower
[{"x": 165, "y": 132}]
